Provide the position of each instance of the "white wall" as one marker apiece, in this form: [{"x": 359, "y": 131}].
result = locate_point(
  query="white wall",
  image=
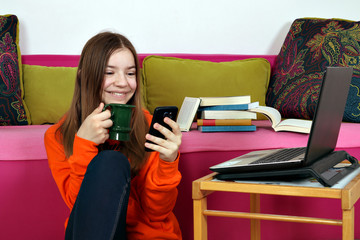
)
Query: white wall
[{"x": 168, "y": 26}]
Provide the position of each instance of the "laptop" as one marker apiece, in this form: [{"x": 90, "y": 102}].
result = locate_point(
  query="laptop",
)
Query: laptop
[{"x": 321, "y": 143}]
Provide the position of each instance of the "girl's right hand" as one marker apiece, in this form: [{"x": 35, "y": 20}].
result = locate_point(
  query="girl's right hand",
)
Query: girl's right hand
[{"x": 95, "y": 126}]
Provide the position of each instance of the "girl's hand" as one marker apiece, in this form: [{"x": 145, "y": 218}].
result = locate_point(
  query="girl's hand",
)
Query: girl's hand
[
  {"x": 168, "y": 147},
  {"x": 95, "y": 126}
]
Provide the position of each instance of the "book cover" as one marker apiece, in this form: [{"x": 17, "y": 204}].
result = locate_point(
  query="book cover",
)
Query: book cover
[
  {"x": 292, "y": 125},
  {"x": 245, "y": 106},
  {"x": 208, "y": 114},
  {"x": 250, "y": 128},
  {"x": 187, "y": 113},
  {"x": 224, "y": 122},
  {"x": 213, "y": 101}
]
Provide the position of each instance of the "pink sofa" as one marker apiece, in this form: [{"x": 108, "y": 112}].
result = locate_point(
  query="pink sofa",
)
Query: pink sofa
[{"x": 31, "y": 206}]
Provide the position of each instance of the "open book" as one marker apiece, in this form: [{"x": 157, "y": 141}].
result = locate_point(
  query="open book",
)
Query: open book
[{"x": 292, "y": 125}]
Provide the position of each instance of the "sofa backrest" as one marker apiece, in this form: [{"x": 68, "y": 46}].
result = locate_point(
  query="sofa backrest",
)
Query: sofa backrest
[
  {"x": 72, "y": 60},
  {"x": 48, "y": 91}
]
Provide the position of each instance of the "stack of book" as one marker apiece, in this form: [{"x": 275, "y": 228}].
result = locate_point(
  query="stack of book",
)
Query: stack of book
[
  {"x": 219, "y": 114},
  {"x": 226, "y": 114}
]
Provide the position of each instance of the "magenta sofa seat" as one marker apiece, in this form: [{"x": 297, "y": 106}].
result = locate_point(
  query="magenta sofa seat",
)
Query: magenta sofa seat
[
  {"x": 32, "y": 208},
  {"x": 30, "y": 204}
]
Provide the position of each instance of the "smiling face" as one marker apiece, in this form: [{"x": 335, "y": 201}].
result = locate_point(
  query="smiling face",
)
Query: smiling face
[{"x": 119, "y": 83}]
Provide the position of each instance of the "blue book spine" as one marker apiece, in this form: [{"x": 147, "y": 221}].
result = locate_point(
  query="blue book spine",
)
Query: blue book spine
[
  {"x": 230, "y": 107},
  {"x": 250, "y": 128}
]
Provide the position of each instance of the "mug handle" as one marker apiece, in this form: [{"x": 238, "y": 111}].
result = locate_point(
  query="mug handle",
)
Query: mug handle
[{"x": 106, "y": 106}]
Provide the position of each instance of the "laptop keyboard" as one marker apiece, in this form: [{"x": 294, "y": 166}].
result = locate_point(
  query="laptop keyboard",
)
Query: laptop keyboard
[{"x": 285, "y": 154}]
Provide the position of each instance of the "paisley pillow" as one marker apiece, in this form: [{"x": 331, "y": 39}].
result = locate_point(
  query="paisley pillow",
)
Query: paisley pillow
[
  {"x": 310, "y": 46},
  {"x": 12, "y": 108}
]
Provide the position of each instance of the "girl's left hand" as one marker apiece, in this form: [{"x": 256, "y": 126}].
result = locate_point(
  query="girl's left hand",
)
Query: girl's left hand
[{"x": 168, "y": 147}]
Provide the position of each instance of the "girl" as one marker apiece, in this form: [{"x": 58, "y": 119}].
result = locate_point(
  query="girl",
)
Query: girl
[{"x": 121, "y": 194}]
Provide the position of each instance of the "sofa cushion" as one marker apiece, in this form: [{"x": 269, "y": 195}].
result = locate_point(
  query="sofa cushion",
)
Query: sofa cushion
[
  {"x": 168, "y": 80},
  {"x": 264, "y": 137},
  {"x": 23, "y": 143},
  {"x": 13, "y": 111},
  {"x": 310, "y": 46},
  {"x": 48, "y": 91}
]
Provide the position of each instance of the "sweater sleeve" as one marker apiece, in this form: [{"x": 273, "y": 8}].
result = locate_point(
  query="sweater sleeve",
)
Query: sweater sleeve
[
  {"x": 159, "y": 192},
  {"x": 157, "y": 186},
  {"x": 68, "y": 173}
]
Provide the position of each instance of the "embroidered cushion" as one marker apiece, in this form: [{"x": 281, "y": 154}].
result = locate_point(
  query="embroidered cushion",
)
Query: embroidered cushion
[
  {"x": 12, "y": 108},
  {"x": 310, "y": 46}
]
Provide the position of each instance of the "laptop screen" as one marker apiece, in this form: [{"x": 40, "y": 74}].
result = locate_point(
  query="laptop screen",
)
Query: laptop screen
[{"x": 329, "y": 112}]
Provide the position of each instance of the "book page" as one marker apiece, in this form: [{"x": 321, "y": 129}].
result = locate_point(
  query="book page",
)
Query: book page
[
  {"x": 187, "y": 113},
  {"x": 295, "y": 125},
  {"x": 271, "y": 113}
]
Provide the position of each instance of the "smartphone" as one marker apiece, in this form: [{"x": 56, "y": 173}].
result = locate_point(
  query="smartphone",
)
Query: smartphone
[{"x": 158, "y": 117}]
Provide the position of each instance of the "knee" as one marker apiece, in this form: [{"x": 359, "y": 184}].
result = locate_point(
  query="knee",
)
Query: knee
[{"x": 111, "y": 163}]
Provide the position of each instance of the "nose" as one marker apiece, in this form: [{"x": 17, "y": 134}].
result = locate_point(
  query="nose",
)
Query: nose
[{"x": 120, "y": 80}]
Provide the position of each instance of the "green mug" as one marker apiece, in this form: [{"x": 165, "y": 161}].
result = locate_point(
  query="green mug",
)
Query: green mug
[{"x": 121, "y": 117}]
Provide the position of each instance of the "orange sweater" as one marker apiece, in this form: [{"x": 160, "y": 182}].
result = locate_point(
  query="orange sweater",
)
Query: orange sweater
[{"x": 153, "y": 191}]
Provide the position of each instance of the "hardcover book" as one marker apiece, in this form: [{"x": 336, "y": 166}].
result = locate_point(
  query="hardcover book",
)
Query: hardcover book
[
  {"x": 250, "y": 128},
  {"x": 245, "y": 106},
  {"x": 213, "y": 101},
  {"x": 209, "y": 114},
  {"x": 224, "y": 122}
]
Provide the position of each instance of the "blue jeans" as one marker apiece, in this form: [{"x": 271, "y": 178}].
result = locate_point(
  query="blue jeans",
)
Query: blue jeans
[{"x": 101, "y": 205}]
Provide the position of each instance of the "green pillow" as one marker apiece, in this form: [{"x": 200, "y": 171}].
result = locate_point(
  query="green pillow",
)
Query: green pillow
[
  {"x": 48, "y": 91},
  {"x": 168, "y": 80}
]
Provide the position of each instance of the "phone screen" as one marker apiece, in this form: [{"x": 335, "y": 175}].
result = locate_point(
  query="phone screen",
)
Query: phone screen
[{"x": 159, "y": 114}]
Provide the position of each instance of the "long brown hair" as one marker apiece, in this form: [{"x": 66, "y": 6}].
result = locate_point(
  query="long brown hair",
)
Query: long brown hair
[{"x": 88, "y": 95}]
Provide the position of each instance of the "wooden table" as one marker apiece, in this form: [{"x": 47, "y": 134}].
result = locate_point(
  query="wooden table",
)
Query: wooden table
[{"x": 204, "y": 186}]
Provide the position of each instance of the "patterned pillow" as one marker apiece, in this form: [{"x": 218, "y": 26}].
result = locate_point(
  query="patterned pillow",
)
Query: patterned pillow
[
  {"x": 12, "y": 109},
  {"x": 310, "y": 46}
]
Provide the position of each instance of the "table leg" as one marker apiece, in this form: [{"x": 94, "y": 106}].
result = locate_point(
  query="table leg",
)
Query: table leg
[
  {"x": 348, "y": 224},
  {"x": 200, "y": 220},
  {"x": 255, "y": 223}
]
